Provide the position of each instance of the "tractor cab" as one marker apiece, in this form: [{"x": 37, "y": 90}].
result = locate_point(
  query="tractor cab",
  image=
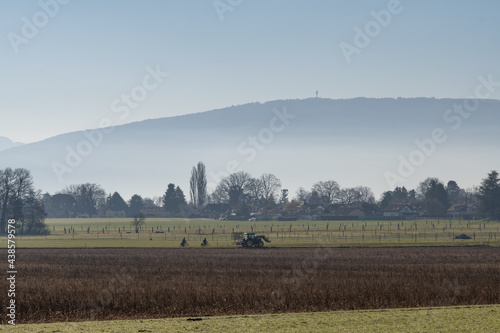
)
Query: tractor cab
[{"x": 250, "y": 235}]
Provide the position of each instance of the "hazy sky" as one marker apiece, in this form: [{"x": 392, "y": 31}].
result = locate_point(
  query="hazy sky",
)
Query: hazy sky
[{"x": 64, "y": 66}]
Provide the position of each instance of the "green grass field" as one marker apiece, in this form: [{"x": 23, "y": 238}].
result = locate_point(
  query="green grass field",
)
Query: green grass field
[
  {"x": 79, "y": 233},
  {"x": 449, "y": 319},
  {"x": 118, "y": 232}
]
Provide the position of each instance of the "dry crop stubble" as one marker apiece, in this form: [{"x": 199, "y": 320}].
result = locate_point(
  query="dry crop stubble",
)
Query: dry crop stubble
[{"x": 98, "y": 284}]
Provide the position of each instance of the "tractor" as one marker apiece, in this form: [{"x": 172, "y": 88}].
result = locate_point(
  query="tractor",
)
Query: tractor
[{"x": 252, "y": 240}]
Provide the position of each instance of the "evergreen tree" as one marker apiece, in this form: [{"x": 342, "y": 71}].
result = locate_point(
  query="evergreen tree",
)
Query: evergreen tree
[
  {"x": 400, "y": 195},
  {"x": 173, "y": 199},
  {"x": 436, "y": 197},
  {"x": 116, "y": 203},
  {"x": 180, "y": 199},
  {"x": 136, "y": 205},
  {"x": 489, "y": 195},
  {"x": 412, "y": 196},
  {"x": 387, "y": 198},
  {"x": 169, "y": 202},
  {"x": 453, "y": 191}
]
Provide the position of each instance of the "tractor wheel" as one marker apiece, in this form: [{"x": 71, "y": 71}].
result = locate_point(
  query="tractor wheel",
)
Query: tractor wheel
[
  {"x": 249, "y": 243},
  {"x": 260, "y": 244}
]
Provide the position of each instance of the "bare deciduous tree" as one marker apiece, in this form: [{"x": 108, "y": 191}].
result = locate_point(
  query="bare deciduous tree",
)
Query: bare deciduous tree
[
  {"x": 198, "y": 186},
  {"x": 19, "y": 200},
  {"x": 364, "y": 194},
  {"x": 255, "y": 190},
  {"x": 6, "y": 189},
  {"x": 347, "y": 196},
  {"x": 89, "y": 197},
  {"x": 193, "y": 187},
  {"x": 327, "y": 189},
  {"x": 201, "y": 185},
  {"x": 236, "y": 187},
  {"x": 302, "y": 194},
  {"x": 219, "y": 195},
  {"x": 360, "y": 194},
  {"x": 138, "y": 221},
  {"x": 33, "y": 213},
  {"x": 270, "y": 185}
]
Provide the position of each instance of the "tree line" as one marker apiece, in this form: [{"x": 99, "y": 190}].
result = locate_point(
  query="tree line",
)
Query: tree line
[
  {"x": 240, "y": 191},
  {"x": 20, "y": 201}
]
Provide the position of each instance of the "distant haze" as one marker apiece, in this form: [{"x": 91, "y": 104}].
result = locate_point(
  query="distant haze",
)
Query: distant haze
[
  {"x": 353, "y": 141},
  {"x": 6, "y": 143},
  {"x": 64, "y": 74}
]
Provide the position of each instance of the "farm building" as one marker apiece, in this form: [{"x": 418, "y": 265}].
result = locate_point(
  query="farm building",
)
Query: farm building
[
  {"x": 314, "y": 209},
  {"x": 349, "y": 211},
  {"x": 462, "y": 210},
  {"x": 342, "y": 212},
  {"x": 397, "y": 210},
  {"x": 155, "y": 212},
  {"x": 293, "y": 207}
]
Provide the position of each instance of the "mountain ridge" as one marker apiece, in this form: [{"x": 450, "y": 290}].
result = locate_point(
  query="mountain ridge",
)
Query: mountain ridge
[
  {"x": 153, "y": 152},
  {"x": 6, "y": 143}
]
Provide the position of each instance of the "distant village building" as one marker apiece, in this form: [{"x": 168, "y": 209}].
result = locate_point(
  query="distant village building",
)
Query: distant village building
[
  {"x": 342, "y": 212},
  {"x": 349, "y": 211},
  {"x": 462, "y": 211},
  {"x": 115, "y": 213},
  {"x": 398, "y": 210},
  {"x": 293, "y": 208},
  {"x": 155, "y": 212}
]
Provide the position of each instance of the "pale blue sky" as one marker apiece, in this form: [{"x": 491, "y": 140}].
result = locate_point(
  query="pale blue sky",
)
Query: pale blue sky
[{"x": 66, "y": 77}]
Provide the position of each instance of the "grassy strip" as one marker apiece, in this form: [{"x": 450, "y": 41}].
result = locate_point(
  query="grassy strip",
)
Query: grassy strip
[
  {"x": 448, "y": 319},
  {"x": 79, "y": 233}
]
